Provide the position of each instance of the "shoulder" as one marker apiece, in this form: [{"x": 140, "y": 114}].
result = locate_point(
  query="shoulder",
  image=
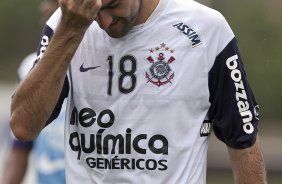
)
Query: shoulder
[
  {"x": 205, "y": 20},
  {"x": 54, "y": 19},
  {"x": 196, "y": 12},
  {"x": 209, "y": 23}
]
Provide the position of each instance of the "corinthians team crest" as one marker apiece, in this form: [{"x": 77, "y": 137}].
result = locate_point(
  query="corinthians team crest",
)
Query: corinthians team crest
[{"x": 160, "y": 72}]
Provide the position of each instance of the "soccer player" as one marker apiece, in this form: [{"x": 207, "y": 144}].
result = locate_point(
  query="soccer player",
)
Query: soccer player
[
  {"x": 146, "y": 82},
  {"x": 48, "y": 148}
]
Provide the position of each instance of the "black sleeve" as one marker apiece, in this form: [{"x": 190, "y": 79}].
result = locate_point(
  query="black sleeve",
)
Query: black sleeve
[
  {"x": 46, "y": 36},
  {"x": 58, "y": 107},
  {"x": 233, "y": 110},
  {"x": 45, "y": 40}
]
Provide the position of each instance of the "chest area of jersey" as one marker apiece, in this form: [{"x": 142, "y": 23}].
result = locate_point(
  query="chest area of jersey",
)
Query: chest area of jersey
[{"x": 145, "y": 69}]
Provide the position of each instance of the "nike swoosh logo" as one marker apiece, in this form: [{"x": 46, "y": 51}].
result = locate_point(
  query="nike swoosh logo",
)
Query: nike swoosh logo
[{"x": 83, "y": 69}]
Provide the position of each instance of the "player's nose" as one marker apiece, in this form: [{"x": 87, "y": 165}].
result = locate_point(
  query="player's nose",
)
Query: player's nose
[{"x": 104, "y": 19}]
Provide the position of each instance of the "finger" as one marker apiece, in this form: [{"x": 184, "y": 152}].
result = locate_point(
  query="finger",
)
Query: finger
[
  {"x": 72, "y": 5},
  {"x": 91, "y": 4},
  {"x": 91, "y": 8}
]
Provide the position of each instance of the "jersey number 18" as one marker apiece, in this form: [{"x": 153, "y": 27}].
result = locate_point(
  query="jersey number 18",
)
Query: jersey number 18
[{"x": 124, "y": 73}]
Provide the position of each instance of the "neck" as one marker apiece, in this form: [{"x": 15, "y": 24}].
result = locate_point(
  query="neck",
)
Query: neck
[{"x": 147, "y": 8}]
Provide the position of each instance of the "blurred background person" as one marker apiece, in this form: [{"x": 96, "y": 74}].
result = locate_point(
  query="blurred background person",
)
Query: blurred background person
[{"x": 48, "y": 148}]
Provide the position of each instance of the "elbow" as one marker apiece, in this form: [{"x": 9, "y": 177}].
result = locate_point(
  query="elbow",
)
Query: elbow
[{"x": 20, "y": 131}]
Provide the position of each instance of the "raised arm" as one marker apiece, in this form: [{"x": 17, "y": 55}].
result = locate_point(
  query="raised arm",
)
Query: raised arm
[
  {"x": 35, "y": 98},
  {"x": 248, "y": 165}
]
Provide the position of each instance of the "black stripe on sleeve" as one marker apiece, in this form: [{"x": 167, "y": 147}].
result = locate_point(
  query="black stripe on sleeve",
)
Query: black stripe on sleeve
[
  {"x": 58, "y": 107},
  {"x": 234, "y": 110}
]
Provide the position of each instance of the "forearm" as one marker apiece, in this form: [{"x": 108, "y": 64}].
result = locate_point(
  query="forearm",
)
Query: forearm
[
  {"x": 16, "y": 166},
  {"x": 248, "y": 165},
  {"x": 36, "y": 96}
]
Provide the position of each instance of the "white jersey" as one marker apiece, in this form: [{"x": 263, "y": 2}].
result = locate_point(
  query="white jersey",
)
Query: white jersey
[{"x": 141, "y": 107}]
